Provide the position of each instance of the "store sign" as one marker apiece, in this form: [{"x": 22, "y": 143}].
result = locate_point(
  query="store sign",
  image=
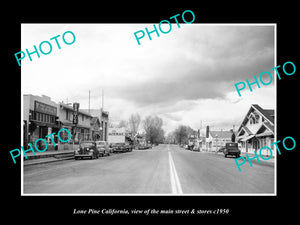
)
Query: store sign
[
  {"x": 75, "y": 112},
  {"x": 44, "y": 108}
]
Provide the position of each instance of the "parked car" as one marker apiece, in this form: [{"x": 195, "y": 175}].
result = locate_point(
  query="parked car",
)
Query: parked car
[
  {"x": 119, "y": 147},
  {"x": 143, "y": 147},
  {"x": 103, "y": 148},
  {"x": 231, "y": 149},
  {"x": 196, "y": 149},
  {"x": 111, "y": 148},
  {"x": 87, "y": 149},
  {"x": 128, "y": 146}
]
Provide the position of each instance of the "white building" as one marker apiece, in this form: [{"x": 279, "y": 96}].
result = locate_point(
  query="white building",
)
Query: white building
[{"x": 256, "y": 130}]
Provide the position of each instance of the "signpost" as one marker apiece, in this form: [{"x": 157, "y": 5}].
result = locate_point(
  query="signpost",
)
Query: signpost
[{"x": 75, "y": 119}]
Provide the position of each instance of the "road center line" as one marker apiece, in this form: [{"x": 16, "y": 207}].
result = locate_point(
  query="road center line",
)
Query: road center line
[{"x": 175, "y": 183}]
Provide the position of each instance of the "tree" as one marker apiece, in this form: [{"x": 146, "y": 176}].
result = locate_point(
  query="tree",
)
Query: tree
[
  {"x": 182, "y": 133},
  {"x": 123, "y": 123},
  {"x": 153, "y": 129},
  {"x": 134, "y": 122}
]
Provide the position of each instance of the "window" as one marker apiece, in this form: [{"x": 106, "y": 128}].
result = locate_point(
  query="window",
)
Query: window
[{"x": 67, "y": 115}]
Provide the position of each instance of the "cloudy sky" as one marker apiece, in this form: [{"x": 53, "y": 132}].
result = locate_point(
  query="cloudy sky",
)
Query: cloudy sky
[{"x": 184, "y": 77}]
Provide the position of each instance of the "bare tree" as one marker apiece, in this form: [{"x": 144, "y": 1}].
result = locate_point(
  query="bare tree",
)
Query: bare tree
[
  {"x": 182, "y": 133},
  {"x": 134, "y": 123},
  {"x": 123, "y": 123},
  {"x": 153, "y": 129}
]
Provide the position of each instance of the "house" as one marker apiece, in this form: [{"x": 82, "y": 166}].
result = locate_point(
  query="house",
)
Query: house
[
  {"x": 256, "y": 130},
  {"x": 216, "y": 139}
]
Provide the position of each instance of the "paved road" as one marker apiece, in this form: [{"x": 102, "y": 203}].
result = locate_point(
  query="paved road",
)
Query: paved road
[{"x": 165, "y": 169}]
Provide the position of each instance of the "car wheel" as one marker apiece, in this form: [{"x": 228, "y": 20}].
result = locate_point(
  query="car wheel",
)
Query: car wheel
[
  {"x": 225, "y": 155},
  {"x": 75, "y": 158}
]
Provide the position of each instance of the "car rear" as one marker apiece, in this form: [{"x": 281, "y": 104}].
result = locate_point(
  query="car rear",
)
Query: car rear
[
  {"x": 232, "y": 149},
  {"x": 119, "y": 147}
]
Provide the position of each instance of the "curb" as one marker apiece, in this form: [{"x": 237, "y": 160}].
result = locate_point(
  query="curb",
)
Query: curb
[
  {"x": 49, "y": 160},
  {"x": 262, "y": 161}
]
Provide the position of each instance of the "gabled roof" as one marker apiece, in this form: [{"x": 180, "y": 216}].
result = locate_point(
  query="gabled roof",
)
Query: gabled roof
[
  {"x": 94, "y": 120},
  {"x": 80, "y": 111},
  {"x": 221, "y": 134},
  {"x": 268, "y": 115}
]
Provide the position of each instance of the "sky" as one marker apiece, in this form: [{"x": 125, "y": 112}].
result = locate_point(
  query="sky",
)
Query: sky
[{"x": 186, "y": 77}]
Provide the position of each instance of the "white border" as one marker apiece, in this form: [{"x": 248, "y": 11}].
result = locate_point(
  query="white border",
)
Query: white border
[{"x": 204, "y": 194}]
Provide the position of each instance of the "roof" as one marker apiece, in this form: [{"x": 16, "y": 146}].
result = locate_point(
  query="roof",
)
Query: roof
[
  {"x": 71, "y": 108},
  {"x": 94, "y": 120},
  {"x": 221, "y": 134},
  {"x": 267, "y": 113}
]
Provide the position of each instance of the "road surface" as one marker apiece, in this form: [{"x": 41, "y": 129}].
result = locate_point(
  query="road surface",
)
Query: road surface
[{"x": 165, "y": 169}]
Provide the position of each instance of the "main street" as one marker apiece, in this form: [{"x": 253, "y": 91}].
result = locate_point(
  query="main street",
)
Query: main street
[{"x": 164, "y": 169}]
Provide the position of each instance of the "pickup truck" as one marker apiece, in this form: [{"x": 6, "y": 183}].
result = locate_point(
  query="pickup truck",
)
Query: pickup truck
[{"x": 231, "y": 149}]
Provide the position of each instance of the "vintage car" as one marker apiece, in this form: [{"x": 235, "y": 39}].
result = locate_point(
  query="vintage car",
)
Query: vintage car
[
  {"x": 231, "y": 149},
  {"x": 119, "y": 147},
  {"x": 87, "y": 149},
  {"x": 103, "y": 148}
]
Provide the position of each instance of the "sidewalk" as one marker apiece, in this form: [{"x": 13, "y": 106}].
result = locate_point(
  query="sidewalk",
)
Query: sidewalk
[
  {"x": 269, "y": 162},
  {"x": 47, "y": 156},
  {"x": 47, "y": 153}
]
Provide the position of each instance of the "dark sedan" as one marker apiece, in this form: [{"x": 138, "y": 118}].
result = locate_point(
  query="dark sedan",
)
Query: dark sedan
[{"x": 87, "y": 149}]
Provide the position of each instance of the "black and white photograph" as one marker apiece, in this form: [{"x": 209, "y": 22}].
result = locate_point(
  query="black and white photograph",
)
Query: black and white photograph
[
  {"x": 133, "y": 110},
  {"x": 149, "y": 112}
]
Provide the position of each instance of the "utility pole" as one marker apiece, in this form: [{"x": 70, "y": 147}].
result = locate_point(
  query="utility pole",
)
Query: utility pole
[
  {"x": 102, "y": 98},
  {"x": 89, "y": 100}
]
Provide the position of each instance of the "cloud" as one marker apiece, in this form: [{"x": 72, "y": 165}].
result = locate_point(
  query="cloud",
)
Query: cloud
[{"x": 185, "y": 76}]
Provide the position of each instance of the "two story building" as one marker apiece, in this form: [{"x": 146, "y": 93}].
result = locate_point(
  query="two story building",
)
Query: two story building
[
  {"x": 216, "y": 139},
  {"x": 83, "y": 128},
  {"x": 40, "y": 116}
]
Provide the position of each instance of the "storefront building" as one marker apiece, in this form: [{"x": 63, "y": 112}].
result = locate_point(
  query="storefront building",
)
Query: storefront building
[
  {"x": 39, "y": 119},
  {"x": 104, "y": 119},
  {"x": 83, "y": 128}
]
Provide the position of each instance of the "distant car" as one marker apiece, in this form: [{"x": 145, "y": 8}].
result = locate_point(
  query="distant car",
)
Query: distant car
[
  {"x": 128, "y": 146},
  {"x": 87, "y": 149},
  {"x": 231, "y": 149},
  {"x": 143, "y": 147},
  {"x": 103, "y": 148},
  {"x": 119, "y": 147},
  {"x": 196, "y": 149}
]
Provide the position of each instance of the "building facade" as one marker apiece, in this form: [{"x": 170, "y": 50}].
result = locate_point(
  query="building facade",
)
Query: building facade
[
  {"x": 104, "y": 120},
  {"x": 257, "y": 130},
  {"x": 83, "y": 129},
  {"x": 40, "y": 119},
  {"x": 217, "y": 139},
  {"x": 95, "y": 129}
]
